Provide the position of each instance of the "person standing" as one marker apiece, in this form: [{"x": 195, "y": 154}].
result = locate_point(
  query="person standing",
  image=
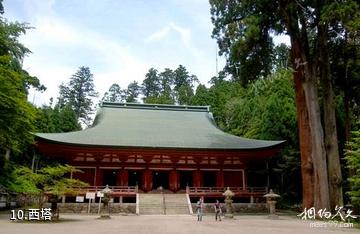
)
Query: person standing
[
  {"x": 199, "y": 209},
  {"x": 217, "y": 208}
]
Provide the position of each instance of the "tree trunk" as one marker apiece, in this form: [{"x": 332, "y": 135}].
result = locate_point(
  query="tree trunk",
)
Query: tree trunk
[
  {"x": 318, "y": 154},
  {"x": 346, "y": 94},
  {"x": 7, "y": 154},
  {"x": 302, "y": 114},
  {"x": 305, "y": 144},
  {"x": 331, "y": 140},
  {"x": 347, "y": 112},
  {"x": 54, "y": 199},
  {"x": 332, "y": 150},
  {"x": 315, "y": 185}
]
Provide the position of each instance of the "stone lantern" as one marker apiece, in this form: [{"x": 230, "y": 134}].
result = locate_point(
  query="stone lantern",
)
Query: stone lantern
[
  {"x": 105, "y": 213},
  {"x": 228, "y": 194},
  {"x": 271, "y": 201}
]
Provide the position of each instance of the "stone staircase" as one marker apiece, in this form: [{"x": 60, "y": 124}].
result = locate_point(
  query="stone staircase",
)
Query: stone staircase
[
  {"x": 176, "y": 204},
  {"x": 160, "y": 204},
  {"x": 151, "y": 204}
]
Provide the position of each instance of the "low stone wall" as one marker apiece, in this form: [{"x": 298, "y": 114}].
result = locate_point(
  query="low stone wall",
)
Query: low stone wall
[
  {"x": 237, "y": 208},
  {"x": 3, "y": 201},
  {"x": 115, "y": 208},
  {"x": 8, "y": 201}
]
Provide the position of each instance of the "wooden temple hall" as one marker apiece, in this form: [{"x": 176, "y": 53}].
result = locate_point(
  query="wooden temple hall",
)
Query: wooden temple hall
[{"x": 152, "y": 146}]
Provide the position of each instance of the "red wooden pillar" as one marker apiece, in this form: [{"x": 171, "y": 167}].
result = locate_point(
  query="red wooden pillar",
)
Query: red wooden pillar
[
  {"x": 197, "y": 178},
  {"x": 244, "y": 179},
  {"x": 174, "y": 181},
  {"x": 220, "y": 178},
  {"x": 98, "y": 177},
  {"x": 118, "y": 178},
  {"x": 147, "y": 180},
  {"x": 123, "y": 178}
]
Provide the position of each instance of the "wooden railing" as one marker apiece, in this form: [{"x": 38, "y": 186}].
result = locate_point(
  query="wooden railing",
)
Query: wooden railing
[
  {"x": 115, "y": 190},
  {"x": 192, "y": 191},
  {"x": 219, "y": 190}
]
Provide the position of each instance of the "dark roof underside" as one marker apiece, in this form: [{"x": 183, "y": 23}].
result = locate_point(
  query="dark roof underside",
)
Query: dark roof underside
[{"x": 155, "y": 126}]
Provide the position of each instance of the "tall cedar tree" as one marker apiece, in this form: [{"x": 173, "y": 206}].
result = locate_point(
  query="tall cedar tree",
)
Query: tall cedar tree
[
  {"x": 243, "y": 30},
  {"x": 344, "y": 52},
  {"x": 151, "y": 85},
  {"x": 78, "y": 94},
  {"x": 166, "y": 82},
  {"x": 132, "y": 92},
  {"x": 114, "y": 94},
  {"x": 169, "y": 87},
  {"x": 183, "y": 85}
]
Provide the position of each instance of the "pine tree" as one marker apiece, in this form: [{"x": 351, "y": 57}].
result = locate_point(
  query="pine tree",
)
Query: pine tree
[
  {"x": 115, "y": 94},
  {"x": 183, "y": 85},
  {"x": 151, "y": 85},
  {"x": 78, "y": 94},
  {"x": 132, "y": 92}
]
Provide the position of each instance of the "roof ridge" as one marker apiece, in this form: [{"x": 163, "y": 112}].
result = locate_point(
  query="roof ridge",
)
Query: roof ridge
[{"x": 155, "y": 106}]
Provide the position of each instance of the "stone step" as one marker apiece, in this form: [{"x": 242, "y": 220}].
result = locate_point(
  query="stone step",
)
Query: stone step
[
  {"x": 177, "y": 211},
  {"x": 153, "y": 204},
  {"x": 149, "y": 208},
  {"x": 151, "y": 213},
  {"x": 169, "y": 212},
  {"x": 152, "y": 210},
  {"x": 177, "y": 208},
  {"x": 176, "y": 204},
  {"x": 151, "y": 200},
  {"x": 175, "y": 199}
]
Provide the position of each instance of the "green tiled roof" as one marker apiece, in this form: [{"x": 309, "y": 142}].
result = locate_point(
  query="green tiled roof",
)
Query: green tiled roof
[{"x": 156, "y": 126}]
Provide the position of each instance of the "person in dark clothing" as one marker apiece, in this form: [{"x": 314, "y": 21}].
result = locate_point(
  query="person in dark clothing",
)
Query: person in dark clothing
[
  {"x": 217, "y": 207},
  {"x": 199, "y": 209}
]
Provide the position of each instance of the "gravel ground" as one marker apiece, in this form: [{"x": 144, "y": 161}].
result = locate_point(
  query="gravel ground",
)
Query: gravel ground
[{"x": 157, "y": 224}]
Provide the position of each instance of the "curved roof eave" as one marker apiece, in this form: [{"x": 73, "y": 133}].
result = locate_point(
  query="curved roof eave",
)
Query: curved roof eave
[
  {"x": 156, "y": 127},
  {"x": 275, "y": 144}
]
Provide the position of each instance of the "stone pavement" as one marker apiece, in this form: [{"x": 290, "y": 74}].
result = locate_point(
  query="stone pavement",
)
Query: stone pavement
[{"x": 158, "y": 224}]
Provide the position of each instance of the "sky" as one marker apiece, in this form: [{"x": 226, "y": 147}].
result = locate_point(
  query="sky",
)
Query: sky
[{"x": 120, "y": 40}]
